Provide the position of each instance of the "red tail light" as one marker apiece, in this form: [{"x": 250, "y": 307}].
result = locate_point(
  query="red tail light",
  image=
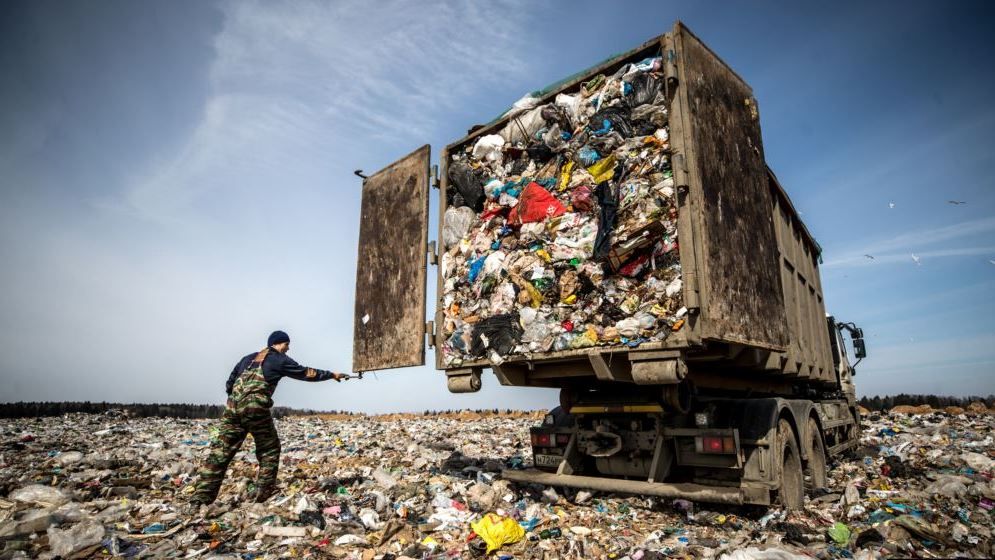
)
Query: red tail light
[
  {"x": 715, "y": 444},
  {"x": 540, "y": 440}
]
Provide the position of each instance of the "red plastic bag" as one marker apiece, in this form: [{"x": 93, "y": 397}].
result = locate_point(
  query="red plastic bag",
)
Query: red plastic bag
[
  {"x": 583, "y": 199},
  {"x": 535, "y": 204}
]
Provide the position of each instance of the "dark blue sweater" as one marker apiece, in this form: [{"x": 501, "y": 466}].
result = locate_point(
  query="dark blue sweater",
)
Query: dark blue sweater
[{"x": 275, "y": 367}]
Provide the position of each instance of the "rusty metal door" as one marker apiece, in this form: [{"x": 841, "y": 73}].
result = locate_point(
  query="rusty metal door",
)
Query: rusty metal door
[
  {"x": 741, "y": 294},
  {"x": 389, "y": 321}
]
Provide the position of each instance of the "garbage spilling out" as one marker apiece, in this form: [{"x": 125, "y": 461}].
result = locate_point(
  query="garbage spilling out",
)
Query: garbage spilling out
[
  {"x": 560, "y": 231},
  {"x": 421, "y": 486}
]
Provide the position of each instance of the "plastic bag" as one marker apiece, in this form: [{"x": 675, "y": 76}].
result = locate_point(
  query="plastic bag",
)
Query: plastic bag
[
  {"x": 603, "y": 170},
  {"x": 527, "y": 102},
  {"x": 556, "y": 114},
  {"x": 608, "y": 206},
  {"x": 83, "y": 535},
  {"x": 456, "y": 224},
  {"x": 645, "y": 88},
  {"x": 653, "y": 114},
  {"x": 840, "y": 533},
  {"x": 494, "y": 263},
  {"x": 523, "y": 127},
  {"x": 535, "y": 205},
  {"x": 499, "y": 333},
  {"x": 587, "y": 156},
  {"x": 469, "y": 187},
  {"x": 581, "y": 199},
  {"x": 39, "y": 494},
  {"x": 618, "y": 120},
  {"x": 497, "y": 531},
  {"x": 384, "y": 479},
  {"x": 490, "y": 148},
  {"x": 503, "y": 299},
  {"x": 553, "y": 138}
]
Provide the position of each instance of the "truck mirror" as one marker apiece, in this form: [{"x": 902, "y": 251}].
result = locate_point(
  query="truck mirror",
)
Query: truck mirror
[{"x": 859, "y": 350}]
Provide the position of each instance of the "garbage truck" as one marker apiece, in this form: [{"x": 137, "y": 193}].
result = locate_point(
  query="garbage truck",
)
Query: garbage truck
[{"x": 682, "y": 318}]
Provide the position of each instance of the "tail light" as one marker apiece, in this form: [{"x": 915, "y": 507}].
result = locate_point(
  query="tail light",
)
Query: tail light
[
  {"x": 541, "y": 440},
  {"x": 715, "y": 444}
]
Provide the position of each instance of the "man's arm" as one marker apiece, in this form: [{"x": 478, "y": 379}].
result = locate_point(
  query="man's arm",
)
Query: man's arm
[
  {"x": 232, "y": 377},
  {"x": 289, "y": 368}
]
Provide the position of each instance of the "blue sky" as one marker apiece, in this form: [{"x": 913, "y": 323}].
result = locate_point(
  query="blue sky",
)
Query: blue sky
[{"x": 177, "y": 176}]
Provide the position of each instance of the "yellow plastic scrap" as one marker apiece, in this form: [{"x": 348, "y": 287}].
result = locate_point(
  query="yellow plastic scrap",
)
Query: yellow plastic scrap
[
  {"x": 565, "y": 175},
  {"x": 570, "y": 300},
  {"x": 497, "y": 531},
  {"x": 430, "y": 542},
  {"x": 603, "y": 170},
  {"x": 535, "y": 296},
  {"x": 544, "y": 255}
]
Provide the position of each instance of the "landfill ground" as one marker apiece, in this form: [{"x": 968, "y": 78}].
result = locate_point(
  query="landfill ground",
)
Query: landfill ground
[{"x": 415, "y": 486}]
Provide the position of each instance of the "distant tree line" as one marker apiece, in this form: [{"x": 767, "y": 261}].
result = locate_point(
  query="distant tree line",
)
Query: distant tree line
[
  {"x": 480, "y": 411},
  {"x": 138, "y": 410},
  {"x": 935, "y": 401}
]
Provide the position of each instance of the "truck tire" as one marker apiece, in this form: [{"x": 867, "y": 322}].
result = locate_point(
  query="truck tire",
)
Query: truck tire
[
  {"x": 815, "y": 472},
  {"x": 791, "y": 493}
]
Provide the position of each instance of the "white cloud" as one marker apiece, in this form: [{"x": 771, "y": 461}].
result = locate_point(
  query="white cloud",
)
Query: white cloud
[
  {"x": 296, "y": 85},
  {"x": 900, "y": 247}
]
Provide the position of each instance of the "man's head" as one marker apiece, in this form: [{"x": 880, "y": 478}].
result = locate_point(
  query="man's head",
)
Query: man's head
[{"x": 279, "y": 341}]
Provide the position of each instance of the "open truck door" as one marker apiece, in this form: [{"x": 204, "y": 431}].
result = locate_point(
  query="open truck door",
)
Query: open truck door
[{"x": 389, "y": 322}]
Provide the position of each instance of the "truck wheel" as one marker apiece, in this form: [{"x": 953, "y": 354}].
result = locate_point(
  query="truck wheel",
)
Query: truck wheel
[
  {"x": 815, "y": 474},
  {"x": 791, "y": 493}
]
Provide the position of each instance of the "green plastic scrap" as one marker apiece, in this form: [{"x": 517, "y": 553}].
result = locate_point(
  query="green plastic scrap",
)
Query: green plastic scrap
[{"x": 840, "y": 533}]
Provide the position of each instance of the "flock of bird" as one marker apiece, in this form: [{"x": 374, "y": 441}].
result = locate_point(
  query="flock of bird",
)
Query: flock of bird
[{"x": 915, "y": 258}]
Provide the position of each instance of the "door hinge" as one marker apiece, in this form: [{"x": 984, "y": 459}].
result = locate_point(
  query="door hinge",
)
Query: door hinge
[
  {"x": 430, "y": 333},
  {"x": 433, "y": 258}
]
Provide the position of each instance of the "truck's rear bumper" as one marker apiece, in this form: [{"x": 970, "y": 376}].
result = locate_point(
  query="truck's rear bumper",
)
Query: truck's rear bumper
[{"x": 689, "y": 491}]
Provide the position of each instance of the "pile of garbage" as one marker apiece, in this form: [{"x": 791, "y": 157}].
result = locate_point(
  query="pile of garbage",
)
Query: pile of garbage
[
  {"x": 429, "y": 487},
  {"x": 561, "y": 229}
]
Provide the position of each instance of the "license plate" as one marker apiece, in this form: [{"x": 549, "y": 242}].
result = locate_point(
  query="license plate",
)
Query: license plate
[{"x": 548, "y": 460}]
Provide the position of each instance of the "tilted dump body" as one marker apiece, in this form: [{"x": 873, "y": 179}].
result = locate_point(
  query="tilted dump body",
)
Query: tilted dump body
[{"x": 751, "y": 289}]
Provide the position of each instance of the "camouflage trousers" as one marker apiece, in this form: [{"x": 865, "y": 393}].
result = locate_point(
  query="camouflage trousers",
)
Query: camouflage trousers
[{"x": 232, "y": 431}]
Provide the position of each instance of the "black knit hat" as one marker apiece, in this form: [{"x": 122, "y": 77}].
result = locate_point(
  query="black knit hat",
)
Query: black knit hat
[{"x": 277, "y": 337}]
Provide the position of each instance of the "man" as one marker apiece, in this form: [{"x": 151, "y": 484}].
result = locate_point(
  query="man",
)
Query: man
[{"x": 250, "y": 397}]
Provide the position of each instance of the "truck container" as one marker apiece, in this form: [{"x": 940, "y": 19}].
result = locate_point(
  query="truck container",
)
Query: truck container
[{"x": 743, "y": 403}]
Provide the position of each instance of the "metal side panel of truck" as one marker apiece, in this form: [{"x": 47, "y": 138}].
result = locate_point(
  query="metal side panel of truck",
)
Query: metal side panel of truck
[{"x": 756, "y": 321}]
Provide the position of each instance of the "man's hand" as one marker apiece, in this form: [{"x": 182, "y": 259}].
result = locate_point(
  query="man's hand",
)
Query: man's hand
[{"x": 339, "y": 376}]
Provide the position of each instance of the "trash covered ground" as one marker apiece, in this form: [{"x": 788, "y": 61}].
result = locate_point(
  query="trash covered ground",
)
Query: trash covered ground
[{"x": 418, "y": 486}]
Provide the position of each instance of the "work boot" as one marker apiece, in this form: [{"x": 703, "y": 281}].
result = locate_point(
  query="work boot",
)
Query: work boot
[{"x": 263, "y": 493}]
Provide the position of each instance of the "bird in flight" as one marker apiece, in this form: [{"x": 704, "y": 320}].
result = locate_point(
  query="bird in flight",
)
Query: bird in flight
[
  {"x": 891, "y": 205},
  {"x": 870, "y": 257},
  {"x": 916, "y": 259},
  {"x": 956, "y": 202}
]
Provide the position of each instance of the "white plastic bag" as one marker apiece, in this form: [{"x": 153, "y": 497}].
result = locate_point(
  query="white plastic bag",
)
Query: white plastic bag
[
  {"x": 489, "y": 148},
  {"x": 39, "y": 494},
  {"x": 456, "y": 224},
  {"x": 64, "y": 543}
]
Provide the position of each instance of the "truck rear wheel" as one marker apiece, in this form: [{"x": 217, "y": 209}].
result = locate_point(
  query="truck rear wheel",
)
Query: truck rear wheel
[
  {"x": 791, "y": 493},
  {"x": 815, "y": 474}
]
